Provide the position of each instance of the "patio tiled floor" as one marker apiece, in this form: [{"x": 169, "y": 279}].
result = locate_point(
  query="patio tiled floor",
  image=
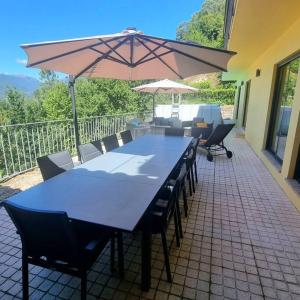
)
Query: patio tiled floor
[{"x": 241, "y": 241}]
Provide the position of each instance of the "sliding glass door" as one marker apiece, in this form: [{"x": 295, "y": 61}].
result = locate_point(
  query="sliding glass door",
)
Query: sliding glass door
[{"x": 282, "y": 107}]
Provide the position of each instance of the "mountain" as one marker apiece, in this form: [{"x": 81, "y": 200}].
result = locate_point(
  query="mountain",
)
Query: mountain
[{"x": 22, "y": 83}]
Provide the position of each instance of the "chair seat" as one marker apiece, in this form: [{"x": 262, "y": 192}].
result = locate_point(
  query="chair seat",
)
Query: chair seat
[{"x": 92, "y": 249}]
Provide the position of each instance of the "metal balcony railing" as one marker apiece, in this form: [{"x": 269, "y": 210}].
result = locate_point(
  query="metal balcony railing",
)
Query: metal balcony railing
[{"x": 21, "y": 144}]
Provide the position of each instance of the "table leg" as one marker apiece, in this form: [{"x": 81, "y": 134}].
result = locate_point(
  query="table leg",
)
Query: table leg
[
  {"x": 146, "y": 257},
  {"x": 120, "y": 253}
]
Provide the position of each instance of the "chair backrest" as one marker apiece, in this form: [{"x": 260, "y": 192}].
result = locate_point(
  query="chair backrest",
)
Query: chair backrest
[
  {"x": 218, "y": 135},
  {"x": 197, "y": 120},
  {"x": 172, "y": 200},
  {"x": 203, "y": 132},
  {"x": 45, "y": 234},
  {"x": 110, "y": 142},
  {"x": 90, "y": 150},
  {"x": 54, "y": 164},
  {"x": 174, "y": 131},
  {"x": 126, "y": 136},
  {"x": 187, "y": 124}
]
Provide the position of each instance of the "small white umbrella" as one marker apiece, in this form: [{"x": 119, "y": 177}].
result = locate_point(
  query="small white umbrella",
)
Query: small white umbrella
[
  {"x": 129, "y": 55},
  {"x": 165, "y": 86}
]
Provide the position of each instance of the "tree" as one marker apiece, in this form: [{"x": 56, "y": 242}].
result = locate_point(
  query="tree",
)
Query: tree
[
  {"x": 206, "y": 26},
  {"x": 35, "y": 111},
  {"x": 14, "y": 107},
  {"x": 48, "y": 77},
  {"x": 56, "y": 101}
]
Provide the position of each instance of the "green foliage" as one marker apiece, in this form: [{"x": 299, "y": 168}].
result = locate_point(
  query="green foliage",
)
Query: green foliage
[
  {"x": 48, "y": 77},
  {"x": 56, "y": 101},
  {"x": 206, "y": 26},
  {"x": 35, "y": 111},
  {"x": 202, "y": 84},
  {"x": 14, "y": 107},
  {"x": 213, "y": 95}
]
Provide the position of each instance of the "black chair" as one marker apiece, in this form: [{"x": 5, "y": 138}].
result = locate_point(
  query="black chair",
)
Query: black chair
[
  {"x": 50, "y": 240},
  {"x": 164, "y": 210},
  {"x": 126, "y": 136},
  {"x": 215, "y": 141},
  {"x": 203, "y": 133},
  {"x": 90, "y": 150},
  {"x": 181, "y": 177},
  {"x": 174, "y": 131},
  {"x": 110, "y": 142},
  {"x": 54, "y": 164},
  {"x": 191, "y": 164}
]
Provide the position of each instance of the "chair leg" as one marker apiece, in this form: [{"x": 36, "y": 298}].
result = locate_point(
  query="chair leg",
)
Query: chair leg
[
  {"x": 176, "y": 227},
  {"x": 112, "y": 253},
  {"x": 83, "y": 286},
  {"x": 190, "y": 183},
  {"x": 195, "y": 166},
  {"x": 185, "y": 204},
  {"x": 166, "y": 255},
  {"x": 25, "y": 280},
  {"x": 192, "y": 177},
  {"x": 178, "y": 215},
  {"x": 120, "y": 254}
]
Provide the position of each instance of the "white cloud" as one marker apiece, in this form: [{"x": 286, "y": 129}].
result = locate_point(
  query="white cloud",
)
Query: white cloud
[{"x": 22, "y": 61}]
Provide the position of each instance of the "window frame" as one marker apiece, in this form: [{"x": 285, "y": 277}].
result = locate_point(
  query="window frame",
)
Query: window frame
[{"x": 275, "y": 103}]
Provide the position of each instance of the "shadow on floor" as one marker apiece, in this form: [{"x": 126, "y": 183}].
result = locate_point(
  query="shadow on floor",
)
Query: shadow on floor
[{"x": 6, "y": 192}]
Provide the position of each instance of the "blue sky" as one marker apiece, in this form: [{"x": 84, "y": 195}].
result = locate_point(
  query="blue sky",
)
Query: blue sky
[{"x": 35, "y": 21}]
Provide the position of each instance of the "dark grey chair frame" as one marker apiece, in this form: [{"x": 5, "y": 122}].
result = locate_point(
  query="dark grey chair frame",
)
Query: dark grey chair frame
[
  {"x": 50, "y": 240},
  {"x": 214, "y": 145},
  {"x": 110, "y": 142},
  {"x": 126, "y": 136},
  {"x": 90, "y": 150},
  {"x": 54, "y": 164},
  {"x": 167, "y": 207}
]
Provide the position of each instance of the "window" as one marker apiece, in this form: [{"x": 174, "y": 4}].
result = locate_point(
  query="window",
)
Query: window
[{"x": 282, "y": 107}]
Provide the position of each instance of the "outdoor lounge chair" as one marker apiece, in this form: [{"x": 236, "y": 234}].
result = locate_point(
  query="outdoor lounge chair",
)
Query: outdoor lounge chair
[
  {"x": 50, "y": 240},
  {"x": 110, "y": 142},
  {"x": 215, "y": 141},
  {"x": 54, "y": 164},
  {"x": 202, "y": 132},
  {"x": 90, "y": 150}
]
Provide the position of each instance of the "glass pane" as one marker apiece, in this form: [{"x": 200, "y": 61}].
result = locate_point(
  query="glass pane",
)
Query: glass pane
[{"x": 287, "y": 82}]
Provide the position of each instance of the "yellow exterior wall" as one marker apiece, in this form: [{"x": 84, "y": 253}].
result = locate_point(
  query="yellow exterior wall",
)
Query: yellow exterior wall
[{"x": 260, "y": 104}]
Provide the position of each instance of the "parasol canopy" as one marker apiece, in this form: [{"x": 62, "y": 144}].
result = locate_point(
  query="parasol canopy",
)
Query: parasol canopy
[{"x": 128, "y": 55}]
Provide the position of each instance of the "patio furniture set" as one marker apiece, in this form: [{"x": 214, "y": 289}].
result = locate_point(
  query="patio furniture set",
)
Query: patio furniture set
[{"x": 65, "y": 222}]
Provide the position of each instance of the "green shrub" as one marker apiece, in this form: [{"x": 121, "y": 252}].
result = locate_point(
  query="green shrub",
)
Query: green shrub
[{"x": 218, "y": 96}]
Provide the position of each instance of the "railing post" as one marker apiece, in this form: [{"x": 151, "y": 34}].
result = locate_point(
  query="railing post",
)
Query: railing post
[{"x": 75, "y": 120}]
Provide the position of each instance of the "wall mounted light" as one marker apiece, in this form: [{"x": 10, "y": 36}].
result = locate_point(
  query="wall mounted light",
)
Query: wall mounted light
[{"x": 257, "y": 73}]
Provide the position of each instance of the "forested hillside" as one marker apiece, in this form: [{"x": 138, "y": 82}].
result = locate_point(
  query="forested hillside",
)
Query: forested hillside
[{"x": 206, "y": 25}]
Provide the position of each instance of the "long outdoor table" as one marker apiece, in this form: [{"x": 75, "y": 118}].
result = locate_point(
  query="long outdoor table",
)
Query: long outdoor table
[{"x": 113, "y": 190}]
